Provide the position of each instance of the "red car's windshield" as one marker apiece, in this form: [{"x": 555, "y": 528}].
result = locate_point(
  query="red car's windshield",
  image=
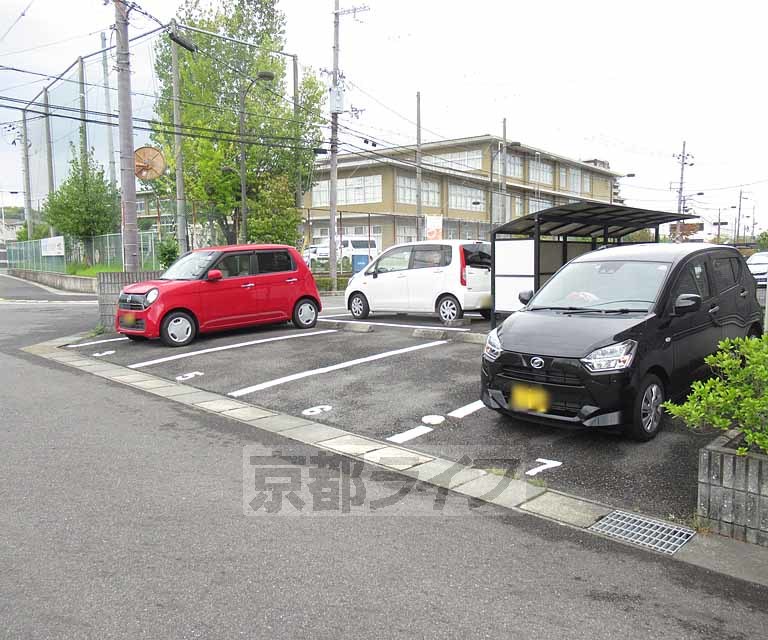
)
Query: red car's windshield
[{"x": 190, "y": 266}]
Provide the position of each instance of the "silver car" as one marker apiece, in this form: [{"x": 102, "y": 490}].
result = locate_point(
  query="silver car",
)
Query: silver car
[{"x": 758, "y": 266}]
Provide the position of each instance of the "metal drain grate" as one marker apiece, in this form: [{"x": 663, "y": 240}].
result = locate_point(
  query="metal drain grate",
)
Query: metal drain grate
[{"x": 645, "y": 532}]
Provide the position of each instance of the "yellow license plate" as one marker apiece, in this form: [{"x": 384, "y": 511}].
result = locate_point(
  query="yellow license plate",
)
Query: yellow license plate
[{"x": 527, "y": 398}]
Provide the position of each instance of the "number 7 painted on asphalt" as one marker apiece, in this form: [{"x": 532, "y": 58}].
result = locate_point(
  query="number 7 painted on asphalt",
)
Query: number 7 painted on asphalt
[{"x": 546, "y": 464}]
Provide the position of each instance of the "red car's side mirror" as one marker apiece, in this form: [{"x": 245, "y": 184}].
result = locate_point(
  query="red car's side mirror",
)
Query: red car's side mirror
[{"x": 214, "y": 274}]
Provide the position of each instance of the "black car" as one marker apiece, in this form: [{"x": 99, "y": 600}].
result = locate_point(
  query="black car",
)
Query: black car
[{"x": 617, "y": 331}]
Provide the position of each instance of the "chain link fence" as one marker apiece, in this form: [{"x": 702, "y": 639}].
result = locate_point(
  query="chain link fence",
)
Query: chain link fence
[{"x": 83, "y": 255}]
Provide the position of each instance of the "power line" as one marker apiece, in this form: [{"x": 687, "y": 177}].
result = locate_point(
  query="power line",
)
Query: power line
[
  {"x": 155, "y": 130},
  {"x": 56, "y": 107},
  {"x": 16, "y": 21},
  {"x": 147, "y": 95},
  {"x": 49, "y": 44}
]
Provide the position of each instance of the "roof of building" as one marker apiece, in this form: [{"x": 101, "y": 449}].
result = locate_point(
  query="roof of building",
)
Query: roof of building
[
  {"x": 384, "y": 154},
  {"x": 589, "y": 219}
]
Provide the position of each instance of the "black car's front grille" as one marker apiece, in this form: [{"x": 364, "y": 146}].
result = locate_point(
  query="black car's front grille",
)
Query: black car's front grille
[
  {"x": 135, "y": 325},
  {"x": 131, "y": 302},
  {"x": 540, "y": 376},
  {"x": 566, "y": 408}
]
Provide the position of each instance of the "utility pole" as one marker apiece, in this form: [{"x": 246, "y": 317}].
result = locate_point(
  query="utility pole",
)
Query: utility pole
[
  {"x": 83, "y": 125},
  {"x": 181, "y": 204},
  {"x": 503, "y": 171},
  {"x": 299, "y": 190},
  {"x": 125, "y": 125},
  {"x": 243, "y": 190},
  {"x": 738, "y": 220},
  {"x": 108, "y": 108},
  {"x": 683, "y": 157},
  {"x": 25, "y": 174},
  {"x": 419, "y": 212},
  {"x": 48, "y": 142},
  {"x": 334, "y": 150},
  {"x": 336, "y": 108}
]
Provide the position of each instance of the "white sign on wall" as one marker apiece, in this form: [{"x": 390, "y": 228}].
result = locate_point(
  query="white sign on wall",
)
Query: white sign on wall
[
  {"x": 434, "y": 227},
  {"x": 52, "y": 246}
]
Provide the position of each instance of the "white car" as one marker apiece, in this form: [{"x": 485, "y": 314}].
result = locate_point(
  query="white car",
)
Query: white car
[{"x": 447, "y": 277}]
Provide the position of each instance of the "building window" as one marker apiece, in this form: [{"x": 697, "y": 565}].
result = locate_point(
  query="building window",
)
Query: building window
[
  {"x": 141, "y": 207},
  {"x": 464, "y": 198},
  {"x": 586, "y": 182},
  {"x": 514, "y": 166},
  {"x": 540, "y": 171},
  {"x": 406, "y": 191},
  {"x": 405, "y": 233},
  {"x": 357, "y": 190},
  {"x": 570, "y": 179},
  {"x": 514, "y": 208},
  {"x": 460, "y": 160},
  {"x": 539, "y": 204}
]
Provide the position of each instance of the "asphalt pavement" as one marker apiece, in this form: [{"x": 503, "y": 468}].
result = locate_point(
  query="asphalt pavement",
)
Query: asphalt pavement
[
  {"x": 423, "y": 392},
  {"x": 122, "y": 517}
]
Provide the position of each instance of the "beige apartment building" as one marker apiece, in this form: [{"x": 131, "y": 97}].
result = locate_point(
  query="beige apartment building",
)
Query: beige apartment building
[{"x": 463, "y": 193}]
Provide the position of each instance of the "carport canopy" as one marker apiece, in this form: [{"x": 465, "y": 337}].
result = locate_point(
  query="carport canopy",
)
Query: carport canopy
[
  {"x": 594, "y": 220},
  {"x": 588, "y": 220}
]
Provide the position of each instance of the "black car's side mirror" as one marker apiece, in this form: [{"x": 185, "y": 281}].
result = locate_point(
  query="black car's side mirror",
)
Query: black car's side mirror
[
  {"x": 687, "y": 303},
  {"x": 525, "y": 296}
]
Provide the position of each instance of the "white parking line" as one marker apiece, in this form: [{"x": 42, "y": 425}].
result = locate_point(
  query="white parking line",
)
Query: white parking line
[
  {"x": 335, "y": 367},
  {"x": 405, "y": 436},
  {"x": 88, "y": 344},
  {"x": 226, "y": 347},
  {"x": 464, "y": 411},
  {"x": 393, "y": 324}
]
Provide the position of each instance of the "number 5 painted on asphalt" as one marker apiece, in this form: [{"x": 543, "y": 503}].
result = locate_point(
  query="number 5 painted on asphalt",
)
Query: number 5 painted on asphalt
[
  {"x": 189, "y": 376},
  {"x": 546, "y": 464}
]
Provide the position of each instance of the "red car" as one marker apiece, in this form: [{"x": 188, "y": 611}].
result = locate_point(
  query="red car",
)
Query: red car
[{"x": 220, "y": 288}]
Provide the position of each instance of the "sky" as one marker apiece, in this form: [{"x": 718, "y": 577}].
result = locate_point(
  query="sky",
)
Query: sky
[{"x": 624, "y": 82}]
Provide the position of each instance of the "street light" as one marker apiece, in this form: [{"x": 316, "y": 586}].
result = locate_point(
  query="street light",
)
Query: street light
[
  {"x": 720, "y": 224},
  {"x": 261, "y": 75}
]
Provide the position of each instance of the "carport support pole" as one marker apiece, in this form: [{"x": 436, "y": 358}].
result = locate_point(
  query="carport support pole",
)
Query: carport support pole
[
  {"x": 564, "y": 257},
  {"x": 493, "y": 279},
  {"x": 605, "y": 236},
  {"x": 536, "y": 251},
  {"x": 656, "y": 234}
]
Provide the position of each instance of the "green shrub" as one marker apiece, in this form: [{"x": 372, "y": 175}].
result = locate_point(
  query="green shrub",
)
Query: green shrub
[
  {"x": 736, "y": 397},
  {"x": 324, "y": 283},
  {"x": 167, "y": 251}
]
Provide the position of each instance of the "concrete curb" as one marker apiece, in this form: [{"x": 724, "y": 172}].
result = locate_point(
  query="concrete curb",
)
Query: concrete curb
[
  {"x": 474, "y": 338},
  {"x": 748, "y": 562}
]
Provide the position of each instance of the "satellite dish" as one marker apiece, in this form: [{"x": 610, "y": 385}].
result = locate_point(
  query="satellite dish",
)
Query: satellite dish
[{"x": 149, "y": 163}]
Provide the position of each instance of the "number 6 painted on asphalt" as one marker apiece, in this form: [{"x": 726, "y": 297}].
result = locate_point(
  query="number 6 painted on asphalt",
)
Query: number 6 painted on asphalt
[
  {"x": 316, "y": 411},
  {"x": 546, "y": 464}
]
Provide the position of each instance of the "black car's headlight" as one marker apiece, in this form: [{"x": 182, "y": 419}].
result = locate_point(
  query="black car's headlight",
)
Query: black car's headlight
[
  {"x": 150, "y": 297},
  {"x": 614, "y": 357},
  {"x": 492, "y": 348}
]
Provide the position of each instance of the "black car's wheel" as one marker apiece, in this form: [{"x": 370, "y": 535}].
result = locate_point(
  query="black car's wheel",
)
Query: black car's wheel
[
  {"x": 486, "y": 313},
  {"x": 135, "y": 338},
  {"x": 647, "y": 413},
  {"x": 448, "y": 308},
  {"x": 178, "y": 329},
  {"x": 358, "y": 305},
  {"x": 305, "y": 314}
]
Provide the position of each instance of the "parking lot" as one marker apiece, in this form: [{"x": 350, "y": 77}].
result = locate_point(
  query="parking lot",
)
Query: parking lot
[{"x": 421, "y": 392}]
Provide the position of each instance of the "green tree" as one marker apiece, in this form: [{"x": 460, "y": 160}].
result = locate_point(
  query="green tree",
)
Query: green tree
[
  {"x": 38, "y": 231},
  {"x": 762, "y": 241},
  {"x": 279, "y": 143},
  {"x": 84, "y": 204}
]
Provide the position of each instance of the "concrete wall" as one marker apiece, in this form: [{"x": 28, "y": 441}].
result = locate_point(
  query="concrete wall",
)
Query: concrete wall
[
  {"x": 733, "y": 491},
  {"x": 108, "y": 289},
  {"x": 80, "y": 284}
]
